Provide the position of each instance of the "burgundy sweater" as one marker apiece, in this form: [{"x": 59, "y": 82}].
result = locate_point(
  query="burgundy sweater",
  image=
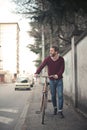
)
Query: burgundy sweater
[{"x": 54, "y": 67}]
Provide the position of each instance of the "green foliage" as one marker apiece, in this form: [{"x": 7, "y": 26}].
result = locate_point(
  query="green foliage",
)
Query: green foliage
[{"x": 61, "y": 18}]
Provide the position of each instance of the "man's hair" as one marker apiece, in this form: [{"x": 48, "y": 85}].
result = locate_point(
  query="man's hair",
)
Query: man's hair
[{"x": 55, "y": 48}]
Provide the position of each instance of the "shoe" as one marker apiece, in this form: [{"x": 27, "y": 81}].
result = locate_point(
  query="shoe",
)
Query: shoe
[
  {"x": 60, "y": 114},
  {"x": 55, "y": 111}
]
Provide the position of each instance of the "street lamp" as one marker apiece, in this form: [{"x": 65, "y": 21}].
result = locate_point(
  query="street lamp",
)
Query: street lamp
[{"x": 43, "y": 43}]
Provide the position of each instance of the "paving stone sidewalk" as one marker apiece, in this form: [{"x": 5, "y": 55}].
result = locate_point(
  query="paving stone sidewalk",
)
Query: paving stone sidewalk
[{"x": 72, "y": 121}]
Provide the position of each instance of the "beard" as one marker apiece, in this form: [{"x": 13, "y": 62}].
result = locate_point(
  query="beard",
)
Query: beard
[{"x": 52, "y": 55}]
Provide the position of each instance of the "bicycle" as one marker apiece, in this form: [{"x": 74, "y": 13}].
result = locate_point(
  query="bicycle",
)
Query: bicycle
[{"x": 44, "y": 97}]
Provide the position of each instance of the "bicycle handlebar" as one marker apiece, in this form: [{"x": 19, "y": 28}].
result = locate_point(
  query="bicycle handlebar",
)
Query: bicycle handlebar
[{"x": 45, "y": 76}]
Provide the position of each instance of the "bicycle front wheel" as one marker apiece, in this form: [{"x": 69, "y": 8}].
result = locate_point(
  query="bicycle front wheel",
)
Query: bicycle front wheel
[{"x": 43, "y": 108}]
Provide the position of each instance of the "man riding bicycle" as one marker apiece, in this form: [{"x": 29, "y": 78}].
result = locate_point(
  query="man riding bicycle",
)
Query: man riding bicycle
[{"x": 55, "y": 64}]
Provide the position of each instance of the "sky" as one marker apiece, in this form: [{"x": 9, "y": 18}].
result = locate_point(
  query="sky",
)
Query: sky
[
  {"x": 5, "y": 11},
  {"x": 26, "y": 56}
]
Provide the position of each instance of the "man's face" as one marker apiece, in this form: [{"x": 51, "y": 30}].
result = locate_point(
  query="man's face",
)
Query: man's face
[{"x": 52, "y": 52}]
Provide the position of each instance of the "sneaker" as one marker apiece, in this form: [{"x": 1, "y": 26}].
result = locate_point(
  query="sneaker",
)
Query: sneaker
[
  {"x": 60, "y": 114},
  {"x": 55, "y": 111}
]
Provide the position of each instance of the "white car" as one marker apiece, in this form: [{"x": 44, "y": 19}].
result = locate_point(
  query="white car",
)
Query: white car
[{"x": 22, "y": 83}]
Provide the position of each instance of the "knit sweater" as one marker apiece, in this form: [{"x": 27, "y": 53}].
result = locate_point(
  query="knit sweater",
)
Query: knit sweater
[{"x": 54, "y": 67}]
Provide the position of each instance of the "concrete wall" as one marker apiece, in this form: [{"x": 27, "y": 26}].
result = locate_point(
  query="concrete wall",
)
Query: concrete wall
[
  {"x": 82, "y": 74},
  {"x": 68, "y": 75},
  {"x": 75, "y": 75}
]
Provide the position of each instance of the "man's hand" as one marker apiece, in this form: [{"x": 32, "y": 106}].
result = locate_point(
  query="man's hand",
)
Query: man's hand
[
  {"x": 54, "y": 76},
  {"x": 35, "y": 75}
]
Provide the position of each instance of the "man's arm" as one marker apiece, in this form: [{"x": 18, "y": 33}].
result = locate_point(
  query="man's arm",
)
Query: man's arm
[
  {"x": 43, "y": 64},
  {"x": 62, "y": 68}
]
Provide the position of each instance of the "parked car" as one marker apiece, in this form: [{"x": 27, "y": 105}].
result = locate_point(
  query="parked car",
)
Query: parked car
[{"x": 22, "y": 83}]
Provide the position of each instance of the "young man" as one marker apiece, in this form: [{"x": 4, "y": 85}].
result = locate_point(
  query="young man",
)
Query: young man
[{"x": 55, "y": 64}]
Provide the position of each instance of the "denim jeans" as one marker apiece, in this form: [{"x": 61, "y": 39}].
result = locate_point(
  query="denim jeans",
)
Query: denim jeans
[{"x": 56, "y": 88}]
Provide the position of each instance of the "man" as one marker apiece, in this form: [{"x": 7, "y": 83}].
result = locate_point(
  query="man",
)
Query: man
[{"x": 55, "y": 64}]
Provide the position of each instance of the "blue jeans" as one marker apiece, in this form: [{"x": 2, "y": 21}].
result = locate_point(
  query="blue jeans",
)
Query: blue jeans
[{"x": 56, "y": 88}]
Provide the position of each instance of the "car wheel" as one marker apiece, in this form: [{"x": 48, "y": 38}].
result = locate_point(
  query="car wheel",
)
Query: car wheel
[
  {"x": 31, "y": 85},
  {"x": 16, "y": 89}
]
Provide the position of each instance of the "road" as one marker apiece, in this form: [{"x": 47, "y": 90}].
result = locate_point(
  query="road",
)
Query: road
[{"x": 13, "y": 106}]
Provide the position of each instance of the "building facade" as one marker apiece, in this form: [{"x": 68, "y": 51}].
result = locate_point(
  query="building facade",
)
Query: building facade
[{"x": 9, "y": 51}]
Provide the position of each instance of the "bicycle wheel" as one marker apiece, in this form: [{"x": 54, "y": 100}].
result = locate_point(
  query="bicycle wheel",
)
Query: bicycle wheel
[{"x": 43, "y": 108}]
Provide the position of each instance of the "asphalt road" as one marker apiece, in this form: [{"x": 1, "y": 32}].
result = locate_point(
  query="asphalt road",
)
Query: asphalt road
[{"x": 13, "y": 107}]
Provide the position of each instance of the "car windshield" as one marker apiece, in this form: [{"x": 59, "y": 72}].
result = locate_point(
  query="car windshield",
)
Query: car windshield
[{"x": 22, "y": 80}]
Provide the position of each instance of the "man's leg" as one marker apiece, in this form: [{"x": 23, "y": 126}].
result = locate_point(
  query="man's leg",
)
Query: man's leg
[
  {"x": 60, "y": 97},
  {"x": 53, "y": 95}
]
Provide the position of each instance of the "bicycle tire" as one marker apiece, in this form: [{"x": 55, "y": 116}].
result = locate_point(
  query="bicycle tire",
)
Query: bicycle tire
[{"x": 43, "y": 108}]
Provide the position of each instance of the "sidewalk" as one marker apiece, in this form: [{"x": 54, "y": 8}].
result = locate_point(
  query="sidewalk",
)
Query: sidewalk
[{"x": 72, "y": 120}]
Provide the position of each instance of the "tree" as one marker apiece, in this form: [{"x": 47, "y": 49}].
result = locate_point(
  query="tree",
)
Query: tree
[{"x": 61, "y": 18}]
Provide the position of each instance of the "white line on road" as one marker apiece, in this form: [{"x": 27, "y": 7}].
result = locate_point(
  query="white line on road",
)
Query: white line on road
[
  {"x": 22, "y": 118},
  {"x": 5, "y": 120},
  {"x": 8, "y": 110}
]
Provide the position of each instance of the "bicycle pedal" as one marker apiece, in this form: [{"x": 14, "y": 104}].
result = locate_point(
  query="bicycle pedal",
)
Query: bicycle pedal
[
  {"x": 49, "y": 100},
  {"x": 38, "y": 112}
]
